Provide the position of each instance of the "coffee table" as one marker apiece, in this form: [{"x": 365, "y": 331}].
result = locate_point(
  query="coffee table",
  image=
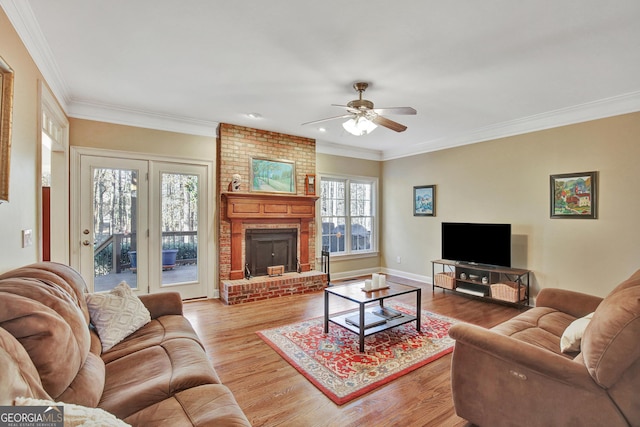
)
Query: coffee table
[{"x": 353, "y": 292}]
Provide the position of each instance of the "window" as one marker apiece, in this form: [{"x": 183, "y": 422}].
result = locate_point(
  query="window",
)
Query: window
[{"x": 348, "y": 206}]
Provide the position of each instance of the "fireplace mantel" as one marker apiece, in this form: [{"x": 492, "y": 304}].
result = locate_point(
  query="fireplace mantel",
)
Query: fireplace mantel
[
  {"x": 267, "y": 208},
  {"x": 259, "y": 205}
]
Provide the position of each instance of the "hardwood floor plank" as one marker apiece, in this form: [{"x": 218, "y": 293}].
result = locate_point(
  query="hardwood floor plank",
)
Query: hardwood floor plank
[{"x": 273, "y": 393}]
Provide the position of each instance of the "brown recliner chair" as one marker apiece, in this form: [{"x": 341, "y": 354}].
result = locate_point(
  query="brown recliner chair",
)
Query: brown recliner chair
[{"x": 515, "y": 374}]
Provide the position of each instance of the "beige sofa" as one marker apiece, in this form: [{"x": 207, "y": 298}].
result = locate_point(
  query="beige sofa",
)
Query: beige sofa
[
  {"x": 159, "y": 375},
  {"x": 515, "y": 373}
]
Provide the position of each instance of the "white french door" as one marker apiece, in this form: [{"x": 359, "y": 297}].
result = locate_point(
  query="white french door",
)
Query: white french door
[{"x": 143, "y": 222}]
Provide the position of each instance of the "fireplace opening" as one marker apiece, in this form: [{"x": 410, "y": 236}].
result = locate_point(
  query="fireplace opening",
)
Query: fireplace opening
[{"x": 270, "y": 247}]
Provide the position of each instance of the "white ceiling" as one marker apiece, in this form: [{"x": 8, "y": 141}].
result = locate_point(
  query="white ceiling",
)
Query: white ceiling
[{"x": 474, "y": 70}]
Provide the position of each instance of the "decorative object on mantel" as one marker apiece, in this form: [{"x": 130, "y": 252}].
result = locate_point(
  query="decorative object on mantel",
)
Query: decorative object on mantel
[
  {"x": 424, "y": 200},
  {"x": 332, "y": 362},
  {"x": 574, "y": 195},
  {"x": 6, "y": 112},
  {"x": 272, "y": 176},
  {"x": 310, "y": 185},
  {"x": 247, "y": 272},
  {"x": 234, "y": 185}
]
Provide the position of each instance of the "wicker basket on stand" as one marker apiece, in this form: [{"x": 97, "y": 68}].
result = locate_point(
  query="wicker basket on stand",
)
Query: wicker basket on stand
[
  {"x": 446, "y": 280},
  {"x": 508, "y": 291}
]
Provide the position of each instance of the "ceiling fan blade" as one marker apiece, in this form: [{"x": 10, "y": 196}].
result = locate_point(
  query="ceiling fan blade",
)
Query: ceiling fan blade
[
  {"x": 344, "y": 116},
  {"x": 395, "y": 110},
  {"x": 383, "y": 121}
]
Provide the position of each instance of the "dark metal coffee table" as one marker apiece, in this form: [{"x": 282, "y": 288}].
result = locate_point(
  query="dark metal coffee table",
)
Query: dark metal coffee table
[{"x": 353, "y": 292}]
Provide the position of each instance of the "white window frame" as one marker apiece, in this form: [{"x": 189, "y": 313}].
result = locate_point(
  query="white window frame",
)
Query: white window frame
[{"x": 349, "y": 253}]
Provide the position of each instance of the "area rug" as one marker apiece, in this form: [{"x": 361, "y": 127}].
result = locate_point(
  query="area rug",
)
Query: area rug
[{"x": 333, "y": 363}]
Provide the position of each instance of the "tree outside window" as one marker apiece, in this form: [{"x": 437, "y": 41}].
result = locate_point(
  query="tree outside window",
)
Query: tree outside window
[{"x": 347, "y": 212}]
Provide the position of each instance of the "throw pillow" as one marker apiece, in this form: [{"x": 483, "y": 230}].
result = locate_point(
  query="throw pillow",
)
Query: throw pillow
[
  {"x": 572, "y": 336},
  {"x": 76, "y": 415},
  {"x": 116, "y": 314}
]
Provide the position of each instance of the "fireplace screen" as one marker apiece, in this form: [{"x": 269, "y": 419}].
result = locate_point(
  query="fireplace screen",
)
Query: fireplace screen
[{"x": 271, "y": 247}]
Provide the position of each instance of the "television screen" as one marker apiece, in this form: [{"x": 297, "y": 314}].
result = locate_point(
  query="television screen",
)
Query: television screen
[{"x": 488, "y": 244}]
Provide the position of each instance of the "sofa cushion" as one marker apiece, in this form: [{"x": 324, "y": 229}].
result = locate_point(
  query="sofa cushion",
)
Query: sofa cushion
[
  {"x": 153, "y": 333},
  {"x": 540, "y": 326},
  {"x": 572, "y": 336},
  {"x": 116, "y": 314},
  {"x": 610, "y": 342},
  {"x": 18, "y": 375},
  {"x": 60, "y": 275},
  {"x": 205, "y": 405},
  {"x": 148, "y": 376},
  {"x": 49, "y": 325}
]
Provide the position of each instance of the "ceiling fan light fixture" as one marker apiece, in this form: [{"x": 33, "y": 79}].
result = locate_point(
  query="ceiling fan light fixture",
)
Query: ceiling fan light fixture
[{"x": 359, "y": 126}]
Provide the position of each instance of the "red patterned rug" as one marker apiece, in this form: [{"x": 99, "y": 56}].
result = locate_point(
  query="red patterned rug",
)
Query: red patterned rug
[{"x": 333, "y": 363}]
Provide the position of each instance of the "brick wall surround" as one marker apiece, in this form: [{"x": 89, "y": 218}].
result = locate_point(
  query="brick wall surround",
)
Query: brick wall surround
[{"x": 236, "y": 146}]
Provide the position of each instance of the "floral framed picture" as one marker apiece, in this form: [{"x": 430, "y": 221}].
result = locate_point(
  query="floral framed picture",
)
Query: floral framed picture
[
  {"x": 574, "y": 195},
  {"x": 424, "y": 200},
  {"x": 272, "y": 176}
]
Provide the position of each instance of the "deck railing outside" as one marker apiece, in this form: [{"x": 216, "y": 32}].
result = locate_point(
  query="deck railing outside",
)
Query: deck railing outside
[{"x": 111, "y": 252}]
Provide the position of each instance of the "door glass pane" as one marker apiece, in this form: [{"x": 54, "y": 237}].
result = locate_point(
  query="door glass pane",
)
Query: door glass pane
[
  {"x": 114, "y": 227},
  {"x": 179, "y": 222}
]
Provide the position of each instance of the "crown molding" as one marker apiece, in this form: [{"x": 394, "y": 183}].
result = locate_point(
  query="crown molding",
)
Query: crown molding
[
  {"x": 325, "y": 147},
  {"x": 24, "y": 21},
  {"x": 600, "y": 109},
  {"x": 144, "y": 119}
]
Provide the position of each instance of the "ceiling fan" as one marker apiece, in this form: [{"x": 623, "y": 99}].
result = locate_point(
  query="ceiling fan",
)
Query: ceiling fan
[{"x": 363, "y": 118}]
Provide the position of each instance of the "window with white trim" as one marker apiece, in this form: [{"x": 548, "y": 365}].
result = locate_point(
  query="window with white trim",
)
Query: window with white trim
[{"x": 347, "y": 210}]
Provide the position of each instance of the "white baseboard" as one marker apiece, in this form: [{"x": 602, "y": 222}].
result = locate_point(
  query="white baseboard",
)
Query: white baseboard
[
  {"x": 417, "y": 277},
  {"x": 354, "y": 273}
]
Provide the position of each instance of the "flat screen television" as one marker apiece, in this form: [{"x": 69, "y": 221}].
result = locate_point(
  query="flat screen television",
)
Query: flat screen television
[{"x": 476, "y": 243}]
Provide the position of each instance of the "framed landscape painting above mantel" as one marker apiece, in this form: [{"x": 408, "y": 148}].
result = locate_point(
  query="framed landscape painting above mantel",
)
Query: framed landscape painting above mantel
[
  {"x": 272, "y": 176},
  {"x": 574, "y": 195}
]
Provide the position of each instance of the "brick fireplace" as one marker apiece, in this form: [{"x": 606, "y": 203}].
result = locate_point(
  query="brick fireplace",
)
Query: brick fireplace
[{"x": 245, "y": 210}]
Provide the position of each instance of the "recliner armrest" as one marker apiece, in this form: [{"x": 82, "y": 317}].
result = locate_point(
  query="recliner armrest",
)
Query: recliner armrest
[
  {"x": 530, "y": 357},
  {"x": 574, "y": 303},
  {"x": 162, "y": 304}
]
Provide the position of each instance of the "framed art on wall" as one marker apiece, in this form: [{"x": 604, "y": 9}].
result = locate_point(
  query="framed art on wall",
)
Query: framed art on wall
[
  {"x": 6, "y": 111},
  {"x": 574, "y": 195},
  {"x": 424, "y": 200},
  {"x": 272, "y": 176}
]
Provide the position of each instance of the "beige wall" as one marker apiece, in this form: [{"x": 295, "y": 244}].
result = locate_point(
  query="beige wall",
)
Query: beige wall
[
  {"x": 338, "y": 165},
  {"x": 507, "y": 180},
  {"x": 21, "y": 211},
  {"x": 92, "y": 134}
]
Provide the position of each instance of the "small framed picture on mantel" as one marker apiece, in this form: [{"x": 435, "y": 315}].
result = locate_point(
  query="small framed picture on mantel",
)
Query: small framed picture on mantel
[
  {"x": 424, "y": 200},
  {"x": 310, "y": 185}
]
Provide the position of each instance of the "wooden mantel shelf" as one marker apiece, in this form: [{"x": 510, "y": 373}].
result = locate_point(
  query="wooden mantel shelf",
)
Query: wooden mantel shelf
[
  {"x": 268, "y": 205},
  {"x": 267, "y": 208}
]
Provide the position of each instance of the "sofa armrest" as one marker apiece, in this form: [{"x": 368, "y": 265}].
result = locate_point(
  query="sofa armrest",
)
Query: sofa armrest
[
  {"x": 162, "y": 304},
  {"x": 512, "y": 352},
  {"x": 574, "y": 303}
]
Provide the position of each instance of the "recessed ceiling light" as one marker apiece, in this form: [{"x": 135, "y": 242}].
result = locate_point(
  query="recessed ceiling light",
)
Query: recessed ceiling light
[
  {"x": 254, "y": 115},
  {"x": 322, "y": 129}
]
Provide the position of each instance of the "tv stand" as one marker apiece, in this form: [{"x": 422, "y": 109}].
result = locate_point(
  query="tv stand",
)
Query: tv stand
[{"x": 490, "y": 282}]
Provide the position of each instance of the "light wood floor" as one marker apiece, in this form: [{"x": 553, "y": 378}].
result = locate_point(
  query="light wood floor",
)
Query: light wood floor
[{"x": 272, "y": 393}]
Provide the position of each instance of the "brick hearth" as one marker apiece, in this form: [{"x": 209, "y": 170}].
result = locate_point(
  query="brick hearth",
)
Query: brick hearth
[{"x": 265, "y": 287}]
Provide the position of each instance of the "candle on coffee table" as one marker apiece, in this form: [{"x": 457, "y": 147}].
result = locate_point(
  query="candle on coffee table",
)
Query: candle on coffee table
[{"x": 375, "y": 280}]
